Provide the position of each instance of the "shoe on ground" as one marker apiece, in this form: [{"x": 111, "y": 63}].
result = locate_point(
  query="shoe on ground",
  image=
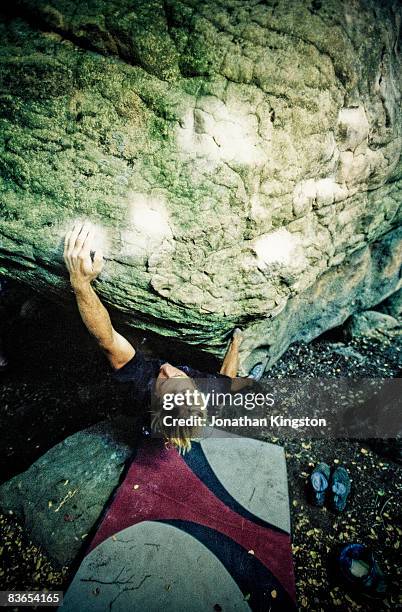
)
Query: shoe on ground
[
  {"x": 319, "y": 482},
  {"x": 340, "y": 489}
]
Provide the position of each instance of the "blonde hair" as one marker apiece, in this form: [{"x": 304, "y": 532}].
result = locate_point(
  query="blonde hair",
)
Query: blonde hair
[{"x": 178, "y": 436}]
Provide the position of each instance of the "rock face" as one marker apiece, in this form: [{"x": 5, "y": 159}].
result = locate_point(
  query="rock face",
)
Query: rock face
[
  {"x": 61, "y": 496},
  {"x": 393, "y": 305},
  {"x": 369, "y": 323},
  {"x": 239, "y": 158}
]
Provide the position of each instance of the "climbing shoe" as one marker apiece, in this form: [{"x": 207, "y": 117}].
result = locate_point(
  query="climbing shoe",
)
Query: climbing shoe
[
  {"x": 340, "y": 489},
  {"x": 319, "y": 480}
]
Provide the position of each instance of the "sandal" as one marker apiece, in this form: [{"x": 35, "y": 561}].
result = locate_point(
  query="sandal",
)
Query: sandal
[
  {"x": 360, "y": 570},
  {"x": 340, "y": 487},
  {"x": 319, "y": 480}
]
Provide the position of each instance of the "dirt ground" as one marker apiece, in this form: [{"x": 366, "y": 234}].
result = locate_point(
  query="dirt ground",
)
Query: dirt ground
[{"x": 59, "y": 384}]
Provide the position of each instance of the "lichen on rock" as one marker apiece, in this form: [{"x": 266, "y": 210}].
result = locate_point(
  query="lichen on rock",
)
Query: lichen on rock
[{"x": 236, "y": 156}]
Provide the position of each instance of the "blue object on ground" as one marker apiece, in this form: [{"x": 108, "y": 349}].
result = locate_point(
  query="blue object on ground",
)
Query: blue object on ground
[
  {"x": 319, "y": 480},
  {"x": 340, "y": 487},
  {"x": 360, "y": 571}
]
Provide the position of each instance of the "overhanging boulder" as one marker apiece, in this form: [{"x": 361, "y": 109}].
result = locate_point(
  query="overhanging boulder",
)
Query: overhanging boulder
[{"x": 241, "y": 160}]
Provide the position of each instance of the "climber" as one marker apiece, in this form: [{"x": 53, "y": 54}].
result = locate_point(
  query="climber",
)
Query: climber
[{"x": 84, "y": 264}]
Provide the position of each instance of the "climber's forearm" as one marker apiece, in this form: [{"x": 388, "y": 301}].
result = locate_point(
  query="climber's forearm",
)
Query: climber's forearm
[
  {"x": 94, "y": 315},
  {"x": 97, "y": 320}
]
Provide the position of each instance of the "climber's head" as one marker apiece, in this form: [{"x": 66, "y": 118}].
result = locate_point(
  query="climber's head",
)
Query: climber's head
[{"x": 173, "y": 383}]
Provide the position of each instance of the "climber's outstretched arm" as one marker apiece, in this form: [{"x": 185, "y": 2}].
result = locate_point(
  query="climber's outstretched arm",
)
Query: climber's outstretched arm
[
  {"x": 84, "y": 265},
  {"x": 230, "y": 365}
]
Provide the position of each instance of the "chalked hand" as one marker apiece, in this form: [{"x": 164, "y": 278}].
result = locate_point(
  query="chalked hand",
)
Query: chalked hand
[{"x": 84, "y": 262}]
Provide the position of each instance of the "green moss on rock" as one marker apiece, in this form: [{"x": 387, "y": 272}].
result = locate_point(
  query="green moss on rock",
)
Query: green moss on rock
[{"x": 232, "y": 155}]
